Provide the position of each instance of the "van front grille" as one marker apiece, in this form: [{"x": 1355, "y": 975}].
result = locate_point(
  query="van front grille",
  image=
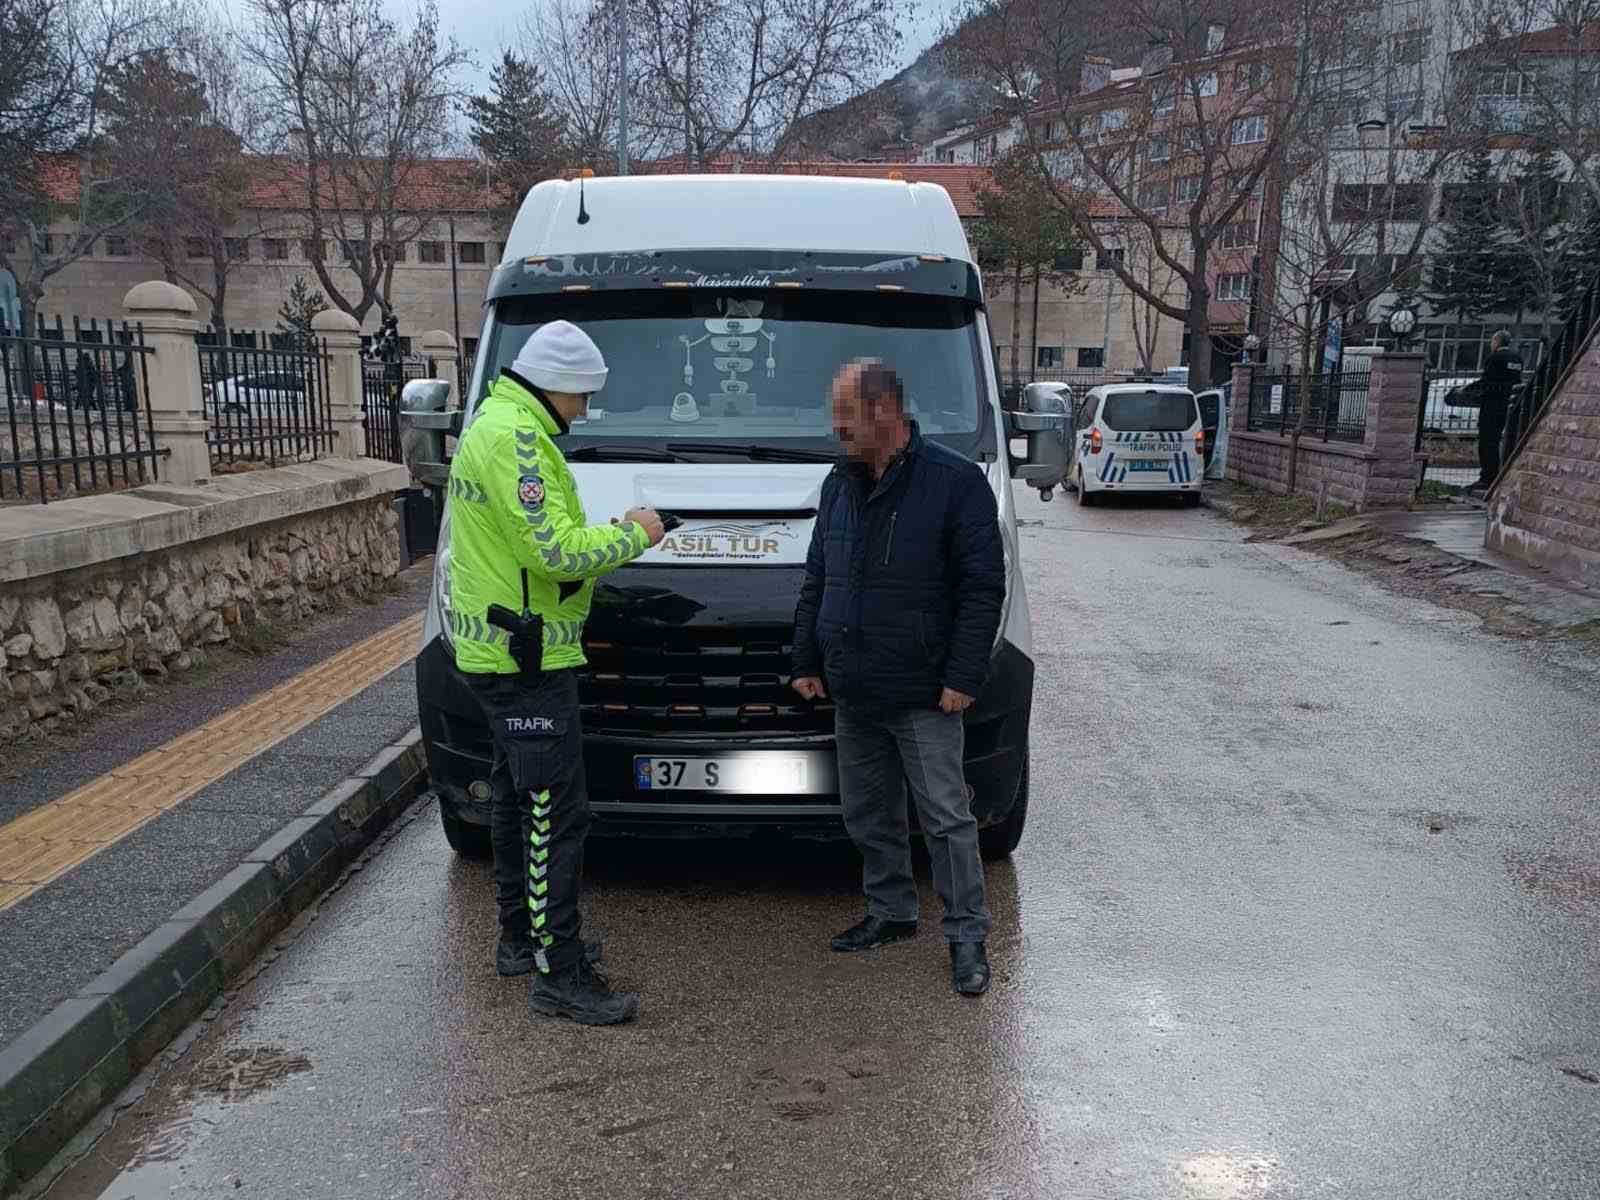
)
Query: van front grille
[{"x": 696, "y": 681}]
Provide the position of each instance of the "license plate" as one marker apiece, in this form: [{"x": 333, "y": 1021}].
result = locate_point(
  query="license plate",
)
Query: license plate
[
  {"x": 1162, "y": 465},
  {"x": 759, "y": 774}
]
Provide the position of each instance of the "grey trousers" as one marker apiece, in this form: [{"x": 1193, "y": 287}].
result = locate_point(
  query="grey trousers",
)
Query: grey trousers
[{"x": 879, "y": 753}]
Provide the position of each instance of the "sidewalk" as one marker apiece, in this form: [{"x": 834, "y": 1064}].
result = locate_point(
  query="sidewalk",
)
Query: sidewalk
[{"x": 155, "y": 801}]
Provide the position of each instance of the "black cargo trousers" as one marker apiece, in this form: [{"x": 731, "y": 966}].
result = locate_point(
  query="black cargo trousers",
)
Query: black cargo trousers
[{"x": 540, "y": 814}]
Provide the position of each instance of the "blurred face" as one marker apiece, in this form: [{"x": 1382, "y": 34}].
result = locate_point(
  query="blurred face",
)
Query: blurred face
[{"x": 867, "y": 432}]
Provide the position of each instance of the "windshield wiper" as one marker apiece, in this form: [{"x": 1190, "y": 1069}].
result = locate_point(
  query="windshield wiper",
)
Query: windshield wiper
[
  {"x": 623, "y": 453},
  {"x": 757, "y": 453}
]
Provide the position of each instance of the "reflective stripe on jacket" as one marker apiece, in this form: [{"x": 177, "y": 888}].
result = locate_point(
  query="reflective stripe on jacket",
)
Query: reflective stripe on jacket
[{"x": 514, "y": 508}]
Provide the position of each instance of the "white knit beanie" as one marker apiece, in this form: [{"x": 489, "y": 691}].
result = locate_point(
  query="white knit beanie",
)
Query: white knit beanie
[{"x": 560, "y": 357}]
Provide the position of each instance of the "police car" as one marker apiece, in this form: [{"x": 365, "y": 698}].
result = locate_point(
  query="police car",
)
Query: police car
[{"x": 1139, "y": 436}]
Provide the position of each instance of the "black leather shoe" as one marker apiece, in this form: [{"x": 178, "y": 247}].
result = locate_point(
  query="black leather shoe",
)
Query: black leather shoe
[
  {"x": 515, "y": 956},
  {"x": 874, "y": 931},
  {"x": 580, "y": 994},
  {"x": 969, "y": 968}
]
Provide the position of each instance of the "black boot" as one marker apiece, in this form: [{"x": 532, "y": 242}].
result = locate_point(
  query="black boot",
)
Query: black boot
[
  {"x": 874, "y": 931},
  {"x": 516, "y": 955},
  {"x": 969, "y": 968},
  {"x": 581, "y": 995}
]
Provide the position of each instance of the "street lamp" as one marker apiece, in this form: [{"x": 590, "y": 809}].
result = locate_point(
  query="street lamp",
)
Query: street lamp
[{"x": 1401, "y": 322}]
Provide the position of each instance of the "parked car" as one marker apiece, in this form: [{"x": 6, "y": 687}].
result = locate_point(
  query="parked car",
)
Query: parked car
[
  {"x": 269, "y": 394},
  {"x": 1138, "y": 437},
  {"x": 1441, "y": 416}
]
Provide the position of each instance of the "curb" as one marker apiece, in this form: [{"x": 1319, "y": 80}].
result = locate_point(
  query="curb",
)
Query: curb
[{"x": 75, "y": 1059}]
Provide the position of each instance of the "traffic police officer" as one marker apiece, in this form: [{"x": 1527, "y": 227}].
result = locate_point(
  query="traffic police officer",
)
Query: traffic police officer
[{"x": 521, "y": 572}]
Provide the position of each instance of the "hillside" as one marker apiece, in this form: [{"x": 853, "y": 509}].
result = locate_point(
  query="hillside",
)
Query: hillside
[{"x": 914, "y": 106}]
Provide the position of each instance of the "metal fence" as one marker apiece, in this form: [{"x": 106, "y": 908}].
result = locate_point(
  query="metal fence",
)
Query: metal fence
[
  {"x": 1333, "y": 404},
  {"x": 265, "y": 407},
  {"x": 381, "y": 384},
  {"x": 76, "y": 410}
]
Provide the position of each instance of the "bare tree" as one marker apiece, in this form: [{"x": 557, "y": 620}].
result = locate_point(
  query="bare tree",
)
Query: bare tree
[
  {"x": 1139, "y": 256},
  {"x": 186, "y": 107},
  {"x": 357, "y": 110},
  {"x": 100, "y": 192},
  {"x": 1195, "y": 135},
  {"x": 1532, "y": 68},
  {"x": 574, "y": 43},
  {"x": 718, "y": 75},
  {"x": 38, "y": 100}
]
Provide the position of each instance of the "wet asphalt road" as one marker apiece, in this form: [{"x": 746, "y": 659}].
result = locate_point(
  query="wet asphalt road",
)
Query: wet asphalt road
[{"x": 1309, "y": 905}]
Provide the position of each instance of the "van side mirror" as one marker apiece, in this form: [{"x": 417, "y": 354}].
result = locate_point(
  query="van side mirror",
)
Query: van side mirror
[
  {"x": 1045, "y": 419},
  {"x": 425, "y": 422}
]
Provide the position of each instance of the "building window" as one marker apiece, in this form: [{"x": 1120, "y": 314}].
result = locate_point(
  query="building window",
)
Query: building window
[
  {"x": 1216, "y": 35},
  {"x": 1407, "y": 106},
  {"x": 1247, "y": 130},
  {"x": 1193, "y": 140},
  {"x": 1159, "y": 148},
  {"x": 1252, "y": 77},
  {"x": 1233, "y": 286},
  {"x": 1187, "y": 190},
  {"x": 1092, "y": 357},
  {"x": 1069, "y": 260},
  {"x": 313, "y": 249},
  {"x": 1113, "y": 120},
  {"x": 392, "y": 251},
  {"x": 1153, "y": 197},
  {"x": 1111, "y": 257},
  {"x": 430, "y": 252},
  {"x": 1205, "y": 84},
  {"x": 1409, "y": 47},
  {"x": 117, "y": 247},
  {"x": 238, "y": 248},
  {"x": 470, "y": 252},
  {"x": 1049, "y": 356},
  {"x": 1238, "y": 236},
  {"x": 1408, "y": 201},
  {"x": 1163, "y": 97},
  {"x": 353, "y": 252},
  {"x": 196, "y": 248},
  {"x": 275, "y": 249}
]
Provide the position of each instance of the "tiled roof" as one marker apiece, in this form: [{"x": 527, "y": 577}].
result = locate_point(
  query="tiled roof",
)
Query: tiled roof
[
  {"x": 1555, "y": 40},
  {"x": 280, "y": 183}
]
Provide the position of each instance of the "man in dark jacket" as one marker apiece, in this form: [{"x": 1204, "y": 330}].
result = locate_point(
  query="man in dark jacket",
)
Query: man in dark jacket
[
  {"x": 905, "y": 582},
  {"x": 1502, "y": 375}
]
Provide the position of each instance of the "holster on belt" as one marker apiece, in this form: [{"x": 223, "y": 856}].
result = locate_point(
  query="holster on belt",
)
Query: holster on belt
[{"x": 527, "y": 635}]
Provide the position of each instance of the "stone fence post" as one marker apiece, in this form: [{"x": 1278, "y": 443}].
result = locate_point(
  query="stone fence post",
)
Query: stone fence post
[
  {"x": 1394, "y": 401},
  {"x": 1239, "y": 401},
  {"x": 341, "y": 342},
  {"x": 172, "y": 372},
  {"x": 441, "y": 348}
]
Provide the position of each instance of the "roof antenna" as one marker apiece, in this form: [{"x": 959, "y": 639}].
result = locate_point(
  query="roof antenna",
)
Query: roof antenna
[{"x": 583, "y": 213}]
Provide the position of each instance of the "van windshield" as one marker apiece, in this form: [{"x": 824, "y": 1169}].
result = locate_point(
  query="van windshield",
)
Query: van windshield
[
  {"x": 1153, "y": 412},
  {"x": 754, "y": 368}
]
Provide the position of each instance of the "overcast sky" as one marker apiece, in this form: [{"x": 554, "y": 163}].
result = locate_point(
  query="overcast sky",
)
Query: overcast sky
[{"x": 486, "y": 28}]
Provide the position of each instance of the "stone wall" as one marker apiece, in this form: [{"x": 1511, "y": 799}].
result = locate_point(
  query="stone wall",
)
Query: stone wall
[
  {"x": 1381, "y": 471},
  {"x": 107, "y": 619},
  {"x": 1262, "y": 460},
  {"x": 1546, "y": 507}
]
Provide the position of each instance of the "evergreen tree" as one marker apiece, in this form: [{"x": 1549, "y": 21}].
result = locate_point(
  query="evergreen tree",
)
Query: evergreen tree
[
  {"x": 1468, "y": 269},
  {"x": 297, "y": 311},
  {"x": 1536, "y": 235},
  {"x": 516, "y": 130}
]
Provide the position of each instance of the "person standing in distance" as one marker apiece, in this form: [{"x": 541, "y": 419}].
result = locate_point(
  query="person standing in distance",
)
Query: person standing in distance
[
  {"x": 903, "y": 591},
  {"x": 522, "y": 566},
  {"x": 1502, "y": 375}
]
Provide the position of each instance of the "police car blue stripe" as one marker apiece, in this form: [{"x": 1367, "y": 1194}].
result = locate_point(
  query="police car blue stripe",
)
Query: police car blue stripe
[{"x": 1105, "y": 471}]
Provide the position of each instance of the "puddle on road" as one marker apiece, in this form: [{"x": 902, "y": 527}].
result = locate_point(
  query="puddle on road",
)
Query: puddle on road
[
  {"x": 1220, "y": 1176},
  {"x": 157, "y": 1152}
]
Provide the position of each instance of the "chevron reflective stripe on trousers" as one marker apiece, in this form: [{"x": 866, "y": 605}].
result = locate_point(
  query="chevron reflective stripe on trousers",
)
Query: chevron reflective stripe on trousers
[{"x": 539, "y": 864}]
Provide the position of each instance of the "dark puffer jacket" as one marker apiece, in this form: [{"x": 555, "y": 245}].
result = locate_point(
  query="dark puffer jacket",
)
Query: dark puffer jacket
[{"x": 905, "y": 581}]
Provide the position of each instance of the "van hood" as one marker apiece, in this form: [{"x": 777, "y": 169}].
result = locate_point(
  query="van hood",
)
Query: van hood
[{"x": 755, "y": 514}]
